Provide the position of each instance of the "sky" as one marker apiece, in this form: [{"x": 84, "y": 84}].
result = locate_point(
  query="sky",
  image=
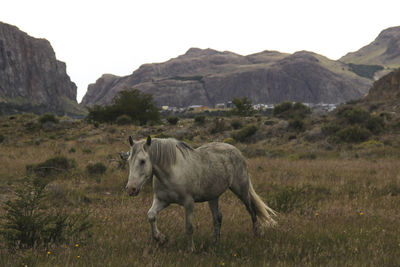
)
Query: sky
[{"x": 98, "y": 37}]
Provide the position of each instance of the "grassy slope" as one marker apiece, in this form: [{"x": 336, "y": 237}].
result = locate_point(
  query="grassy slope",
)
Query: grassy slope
[{"x": 335, "y": 210}]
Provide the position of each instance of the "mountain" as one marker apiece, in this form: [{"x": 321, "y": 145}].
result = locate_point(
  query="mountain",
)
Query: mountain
[
  {"x": 31, "y": 78},
  {"x": 208, "y": 77},
  {"x": 384, "y": 51}
]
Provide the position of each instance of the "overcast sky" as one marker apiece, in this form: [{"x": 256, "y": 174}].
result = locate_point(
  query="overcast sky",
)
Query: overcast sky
[{"x": 97, "y": 37}]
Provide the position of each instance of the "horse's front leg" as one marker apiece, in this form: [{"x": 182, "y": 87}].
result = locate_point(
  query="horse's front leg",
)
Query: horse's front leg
[
  {"x": 157, "y": 206},
  {"x": 189, "y": 206}
]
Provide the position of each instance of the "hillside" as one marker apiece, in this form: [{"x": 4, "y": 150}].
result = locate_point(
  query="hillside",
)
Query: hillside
[
  {"x": 208, "y": 77},
  {"x": 383, "y": 51},
  {"x": 31, "y": 78}
]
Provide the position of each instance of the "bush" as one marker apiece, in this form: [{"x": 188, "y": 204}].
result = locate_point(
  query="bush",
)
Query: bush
[
  {"x": 229, "y": 140},
  {"x": 1, "y": 138},
  {"x": 139, "y": 106},
  {"x": 122, "y": 120},
  {"x": 173, "y": 120},
  {"x": 52, "y": 166},
  {"x": 289, "y": 110},
  {"x": 244, "y": 134},
  {"x": 96, "y": 169},
  {"x": 296, "y": 125},
  {"x": 353, "y": 115},
  {"x": 353, "y": 134},
  {"x": 236, "y": 124},
  {"x": 48, "y": 117},
  {"x": 242, "y": 107},
  {"x": 330, "y": 128},
  {"x": 30, "y": 223},
  {"x": 200, "y": 119},
  {"x": 218, "y": 126},
  {"x": 375, "y": 124}
]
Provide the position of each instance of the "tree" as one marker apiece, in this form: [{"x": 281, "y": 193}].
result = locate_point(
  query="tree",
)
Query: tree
[
  {"x": 134, "y": 103},
  {"x": 242, "y": 106}
]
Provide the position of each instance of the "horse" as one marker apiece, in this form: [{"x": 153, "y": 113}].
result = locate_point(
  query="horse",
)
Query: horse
[{"x": 184, "y": 176}]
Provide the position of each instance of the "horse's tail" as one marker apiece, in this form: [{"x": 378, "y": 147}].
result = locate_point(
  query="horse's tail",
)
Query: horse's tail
[{"x": 263, "y": 212}]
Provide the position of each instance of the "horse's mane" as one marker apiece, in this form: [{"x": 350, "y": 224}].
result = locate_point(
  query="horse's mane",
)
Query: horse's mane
[{"x": 164, "y": 151}]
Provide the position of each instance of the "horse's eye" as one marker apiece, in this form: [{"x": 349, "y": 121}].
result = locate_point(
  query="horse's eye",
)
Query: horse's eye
[{"x": 142, "y": 162}]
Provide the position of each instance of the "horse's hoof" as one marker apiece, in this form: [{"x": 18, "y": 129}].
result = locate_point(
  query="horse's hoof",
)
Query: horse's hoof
[
  {"x": 257, "y": 230},
  {"x": 161, "y": 239}
]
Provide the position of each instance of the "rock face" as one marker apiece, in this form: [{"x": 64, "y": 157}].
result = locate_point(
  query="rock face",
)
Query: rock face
[
  {"x": 385, "y": 93},
  {"x": 31, "y": 78},
  {"x": 208, "y": 77}
]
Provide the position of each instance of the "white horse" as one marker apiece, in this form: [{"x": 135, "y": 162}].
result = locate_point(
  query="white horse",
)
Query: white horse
[{"x": 184, "y": 175}]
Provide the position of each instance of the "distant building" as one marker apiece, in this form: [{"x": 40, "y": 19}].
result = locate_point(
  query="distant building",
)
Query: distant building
[{"x": 220, "y": 106}]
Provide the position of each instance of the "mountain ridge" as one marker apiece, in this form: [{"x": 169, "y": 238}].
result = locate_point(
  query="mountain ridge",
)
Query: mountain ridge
[
  {"x": 31, "y": 77},
  {"x": 212, "y": 77}
]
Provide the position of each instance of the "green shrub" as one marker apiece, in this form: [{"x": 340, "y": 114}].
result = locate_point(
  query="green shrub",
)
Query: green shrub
[
  {"x": 353, "y": 115},
  {"x": 375, "y": 124},
  {"x": 96, "y": 168},
  {"x": 48, "y": 117},
  {"x": 296, "y": 124},
  {"x": 1, "y": 138},
  {"x": 244, "y": 134},
  {"x": 123, "y": 120},
  {"x": 353, "y": 134},
  {"x": 289, "y": 110},
  {"x": 236, "y": 124},
  {"x": 134, "y": 103},
  {"x": 52, "y": 166},
  {"x": 173, "y": 120},
  {"x": 330, "y": 128},
  {"x": 242, "y": 106},
  {"x": 200, "y": 119},
  {"x": 218, "y": 126},
  {"x": 229, "y": 140},
  {"x": 29, "y": 223}
]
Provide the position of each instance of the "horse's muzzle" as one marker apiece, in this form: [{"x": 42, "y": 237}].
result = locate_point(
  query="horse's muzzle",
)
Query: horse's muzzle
[{"x": 132, "y": 191}]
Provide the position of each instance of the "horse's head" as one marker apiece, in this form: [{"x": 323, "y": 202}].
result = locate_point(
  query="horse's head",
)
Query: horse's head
[{"x": 140, "y": 167}]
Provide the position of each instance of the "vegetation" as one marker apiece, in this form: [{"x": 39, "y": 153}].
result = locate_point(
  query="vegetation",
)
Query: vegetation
[
  {"x": 200, "y": 119},
  {"x": 288, "y": 110},
  {"x": 242, "y": 106},
  {"x": 173, "y": 120},
  {"x": 29, "y": 222},
  {"x": 48, "y": 117},
  {"x": 96, "y": 168},
  {"x": 133, "y": 103},
  {"x": 123, "y": 119},
  {"x": 353, "y": 124},
  {"x": 367, "y": 71},
  {"x": 337, "y": 196},
  {"x": 245, "y": 133}
]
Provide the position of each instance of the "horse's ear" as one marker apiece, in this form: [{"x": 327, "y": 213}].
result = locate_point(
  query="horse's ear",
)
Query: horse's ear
[
  {"x": 131, "y": 141},
  {"x": 148, "y": 141}
]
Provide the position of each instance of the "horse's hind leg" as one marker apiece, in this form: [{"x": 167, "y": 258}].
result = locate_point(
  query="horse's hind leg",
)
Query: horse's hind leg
[
  {"x": 189, "y": 206},
  {"x": 241, "y": 190},
  {"x": 151, "y": 214},
  {"x": 217, "y": 217}
]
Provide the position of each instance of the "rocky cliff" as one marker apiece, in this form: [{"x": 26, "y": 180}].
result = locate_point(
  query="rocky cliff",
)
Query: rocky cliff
[
  {"x": 31, "y": 78},
  {"x": 208, "y": 77},
  {"x": 385, "y": 93}
]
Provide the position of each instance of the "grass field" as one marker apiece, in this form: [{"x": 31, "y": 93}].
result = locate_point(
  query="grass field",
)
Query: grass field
[{"x": 333, "y": 209}]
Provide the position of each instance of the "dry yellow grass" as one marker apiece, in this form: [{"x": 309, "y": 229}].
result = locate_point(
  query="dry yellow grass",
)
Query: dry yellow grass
[{"x": 333, "y": 211}]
